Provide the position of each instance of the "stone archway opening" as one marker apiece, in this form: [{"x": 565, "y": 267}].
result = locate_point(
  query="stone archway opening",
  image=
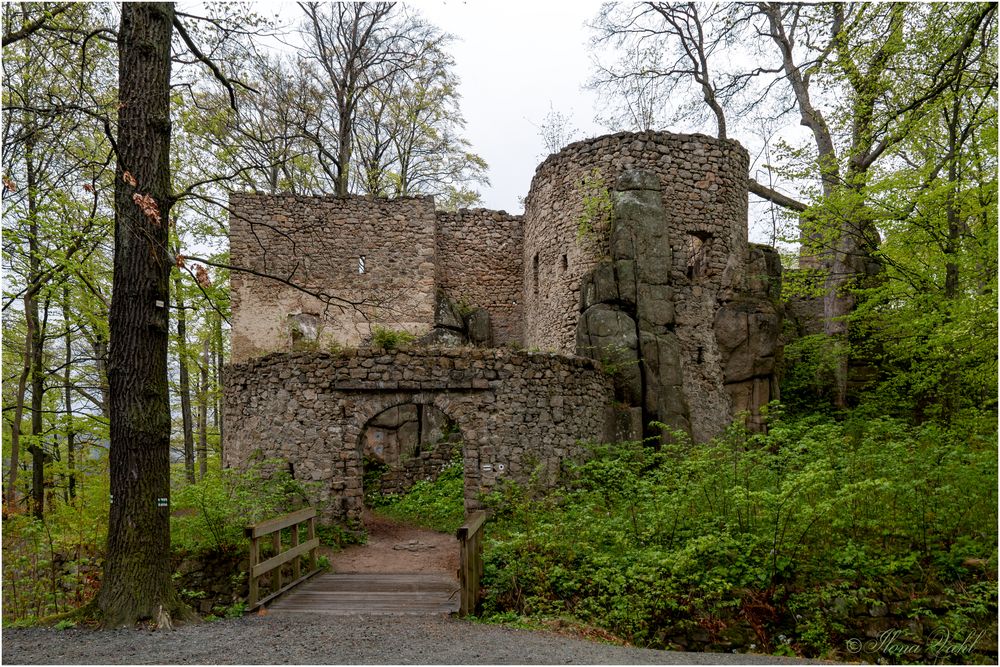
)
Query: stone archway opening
[{"x": 404, "y": 444}]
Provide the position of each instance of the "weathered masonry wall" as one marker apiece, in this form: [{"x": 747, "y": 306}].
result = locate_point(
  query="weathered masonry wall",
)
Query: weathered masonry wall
[
  {"x": 517, "y": 412},
  {"x": 703, "y": 184},
  {"x": 691, "y": 245},
  {"x": 480, "y": 264},
  {"x": 664, "y": 288},
  {"x": 318, "y": 243}
]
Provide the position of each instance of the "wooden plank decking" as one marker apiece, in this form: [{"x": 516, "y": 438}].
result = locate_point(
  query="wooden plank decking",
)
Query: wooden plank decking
[{"x": 369, "y": 593}]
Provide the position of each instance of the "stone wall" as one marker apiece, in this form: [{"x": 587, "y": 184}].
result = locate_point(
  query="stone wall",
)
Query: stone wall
[
  {"x": 703, "y": 183},
  {"x": 405, "y": 444},
  {"x": 317, "y": 243},
  {"x": 480, "y": 264},
  {"x": 702, "y": 318},
  {"x": 518, "y": 413}
]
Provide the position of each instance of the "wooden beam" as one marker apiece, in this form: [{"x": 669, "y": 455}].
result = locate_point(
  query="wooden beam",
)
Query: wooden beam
[
  {"x": 283, "y": 557},
  {"x": 267, "y": 527}
]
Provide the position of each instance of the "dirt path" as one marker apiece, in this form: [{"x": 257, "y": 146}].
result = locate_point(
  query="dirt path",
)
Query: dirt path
[{"x": 393, "y": 547}]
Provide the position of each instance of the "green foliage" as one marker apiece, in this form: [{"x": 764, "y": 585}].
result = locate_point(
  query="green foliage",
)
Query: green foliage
[
  {"x": 810, "y": 367},
  {"x": 332, "y": 535},
  {"x": 214, "y": 512},
  {"x": 770, "y": 529},
  {"x": 235, "y": 610},
  {"x": 594, "y": 224},
  {"x": 438, "y": 504},
  {"x": 52, "y": 566},
  {"x": 390, "y": 339}
]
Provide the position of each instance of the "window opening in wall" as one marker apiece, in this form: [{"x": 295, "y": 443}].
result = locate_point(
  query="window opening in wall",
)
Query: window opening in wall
[
  {"x": 698, "y": 247},
  {"x": 361, "y": 264},
  {"x": 534, "y": 266},
  {"x": 701, "y": 354},
  {"x": 565, "y": 263}
]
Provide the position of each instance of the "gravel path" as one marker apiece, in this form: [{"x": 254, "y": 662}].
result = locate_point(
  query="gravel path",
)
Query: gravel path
[{"x": 309, "y": 639}]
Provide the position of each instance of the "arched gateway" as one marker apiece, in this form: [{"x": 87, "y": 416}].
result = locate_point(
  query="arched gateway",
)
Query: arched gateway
[{"x": 519, "y": 413}]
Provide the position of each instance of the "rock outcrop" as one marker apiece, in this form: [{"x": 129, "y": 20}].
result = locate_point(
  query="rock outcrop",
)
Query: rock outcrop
[
  {"x": 628, "y": 318},
  {"x": 627, "y": 309}
]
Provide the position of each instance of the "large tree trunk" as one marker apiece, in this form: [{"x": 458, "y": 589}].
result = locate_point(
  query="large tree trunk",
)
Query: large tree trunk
[
  {"x": 185, "y": 382},
  {"x": 136, "y": 583}
]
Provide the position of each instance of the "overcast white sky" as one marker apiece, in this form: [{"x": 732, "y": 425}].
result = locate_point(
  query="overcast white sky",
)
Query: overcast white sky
[{"x": 516, "y": 61}]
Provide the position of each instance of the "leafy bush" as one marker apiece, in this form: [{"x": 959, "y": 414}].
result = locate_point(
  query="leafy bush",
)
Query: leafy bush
[
  {"x": 390, "y": 339},
  {"x": 214, "y": 512},
  {"x": 53, "y": 565},
  {"x": 777, "y": 531},
  {"x": 438, "y": 504}
]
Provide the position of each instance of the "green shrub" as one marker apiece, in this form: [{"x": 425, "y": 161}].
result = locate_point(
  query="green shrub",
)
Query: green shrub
[
  {"x": 214, "y": 512},
  {"x": 778, "y": 530},
  {"x": 438, "y": 504},
  {"x": 53, "y": 566},
  {"x": 390, "y": 339}
]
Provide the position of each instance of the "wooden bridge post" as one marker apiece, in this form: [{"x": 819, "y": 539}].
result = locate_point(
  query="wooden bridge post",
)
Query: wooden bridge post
[{"x": 470, "y": 571}]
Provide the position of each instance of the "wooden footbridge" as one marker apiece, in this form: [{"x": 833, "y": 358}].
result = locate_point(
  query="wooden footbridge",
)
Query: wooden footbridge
[{"x": 313, "y": 592}]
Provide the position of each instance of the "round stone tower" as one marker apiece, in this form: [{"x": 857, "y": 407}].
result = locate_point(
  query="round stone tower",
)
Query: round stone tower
[{"x": 702, "y": 183}]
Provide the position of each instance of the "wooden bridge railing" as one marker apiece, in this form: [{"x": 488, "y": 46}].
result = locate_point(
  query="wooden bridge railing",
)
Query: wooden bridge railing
[
  {"x": 258, "y": 533},
  {"x": 470, "y": 569}
]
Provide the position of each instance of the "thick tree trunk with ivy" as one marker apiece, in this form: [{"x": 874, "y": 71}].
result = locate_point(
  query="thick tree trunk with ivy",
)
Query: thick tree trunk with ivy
[{"x": 137, "y": 578}]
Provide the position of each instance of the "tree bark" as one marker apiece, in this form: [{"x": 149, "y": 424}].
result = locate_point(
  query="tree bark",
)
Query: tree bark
[
  {"x": 136, "y": 583},
  {"x": 185, "y": 382},
  {"x": 67, "y": 378},
  {"x": 37, "y": 375},
  {"x": 203, "y": 408}
]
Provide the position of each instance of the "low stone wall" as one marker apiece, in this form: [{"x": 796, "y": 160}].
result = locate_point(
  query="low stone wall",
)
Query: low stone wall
[
  {"x": 214, "y": 579},
  {"x": 520, "y": 415}
]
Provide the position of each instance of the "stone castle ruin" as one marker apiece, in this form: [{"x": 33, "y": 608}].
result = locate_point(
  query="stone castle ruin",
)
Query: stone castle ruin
[{"x": 627, "y": 293}]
